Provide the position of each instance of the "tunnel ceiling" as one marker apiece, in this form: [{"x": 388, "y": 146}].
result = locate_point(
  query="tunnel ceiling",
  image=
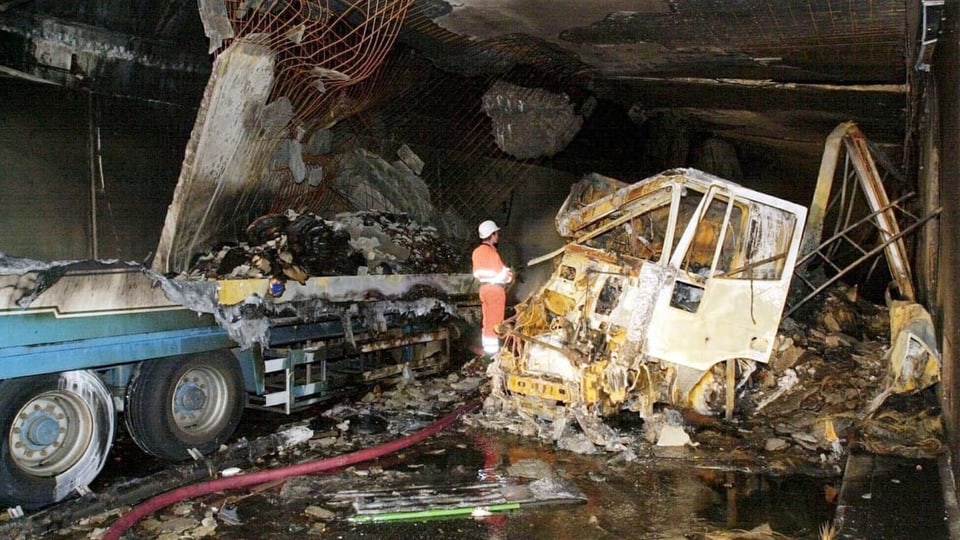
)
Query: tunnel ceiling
[
  {"x": 778, "y": 75},
  {"x": 772, "y": 72}
]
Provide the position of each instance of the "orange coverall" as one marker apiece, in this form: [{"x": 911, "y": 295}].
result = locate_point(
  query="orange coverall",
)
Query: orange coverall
[{"x": 493, "y": 275}]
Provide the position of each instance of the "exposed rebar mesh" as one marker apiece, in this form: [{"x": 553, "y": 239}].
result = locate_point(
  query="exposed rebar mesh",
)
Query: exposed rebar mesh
[
  {"x": 337, "y": 61},
  {"x": 431, "y": 99},
  {"x": 322, "y": 47}
]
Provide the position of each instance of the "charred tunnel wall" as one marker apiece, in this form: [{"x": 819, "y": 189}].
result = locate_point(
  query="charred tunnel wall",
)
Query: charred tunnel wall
[
  {"x": 44, "y": 210},
  {"x": 947, "y": 301},
  {"x": 49, "y": 182}
]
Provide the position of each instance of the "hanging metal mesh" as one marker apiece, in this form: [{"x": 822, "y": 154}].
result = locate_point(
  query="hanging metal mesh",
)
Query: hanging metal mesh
[
  {"x": 322, "y": 47},
  {"x": 431, "y": 99},
  {"x": 325, "y": 51},
  {"x": 336, "y": 60}
]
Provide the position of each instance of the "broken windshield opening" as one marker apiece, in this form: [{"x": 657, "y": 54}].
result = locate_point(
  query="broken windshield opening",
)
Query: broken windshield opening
[
  {"x": 714, "y": 245},
  {"x": 767, "y": 243},
  {"x": 640, "y": 230}
]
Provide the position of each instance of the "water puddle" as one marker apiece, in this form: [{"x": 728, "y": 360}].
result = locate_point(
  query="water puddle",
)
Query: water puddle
[{"x": 668, "y": 499}]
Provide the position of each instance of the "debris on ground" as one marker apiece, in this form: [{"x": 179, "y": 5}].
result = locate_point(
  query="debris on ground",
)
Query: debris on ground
[
  {"x": 429, "y": 473},
  {"x": 815, "y": 395},
  {"x": 401, "y": 502},
  {"x": 762, "y": 532},
  {"x": 381, "y": 415},
  {"x": 812, "y": 404},
  {"x": 392, "y": 488},
  {"x": 803, "y": 412}
]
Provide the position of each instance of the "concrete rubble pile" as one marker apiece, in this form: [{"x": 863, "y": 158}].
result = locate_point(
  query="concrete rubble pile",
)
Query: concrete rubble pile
[
  {"x": 294, "y": 246},
  {"x": 822, "y": 395},
  {"x": 368, "y": 181}
]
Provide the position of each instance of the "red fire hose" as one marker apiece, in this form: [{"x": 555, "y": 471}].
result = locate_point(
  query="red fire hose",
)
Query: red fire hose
[{"x": 221, "y": 484}]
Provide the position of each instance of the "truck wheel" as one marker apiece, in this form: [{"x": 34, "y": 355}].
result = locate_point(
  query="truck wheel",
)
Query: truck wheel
[
  {"x": 183, "y": 402},
  {"x": 57, "y": 430}
]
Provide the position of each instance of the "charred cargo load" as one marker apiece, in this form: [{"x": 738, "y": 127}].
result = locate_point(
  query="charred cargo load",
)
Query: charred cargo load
[{"x": 664, "y": 283}]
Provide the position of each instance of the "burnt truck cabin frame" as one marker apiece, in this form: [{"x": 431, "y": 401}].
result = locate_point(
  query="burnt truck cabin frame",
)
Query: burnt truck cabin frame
[{"x": 662, "y": 281}]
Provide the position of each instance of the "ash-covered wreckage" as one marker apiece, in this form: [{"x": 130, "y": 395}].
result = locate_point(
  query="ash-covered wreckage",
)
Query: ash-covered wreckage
[
  {"x": 610, "y": 312},
  {"x": 295, "y": 246},
  {"x": 373, "y": 272},
  {"x": 667, "y": 302}
]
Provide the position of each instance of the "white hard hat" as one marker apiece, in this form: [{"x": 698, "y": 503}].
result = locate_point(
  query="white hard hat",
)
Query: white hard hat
[{"x": 487, "y": 228}]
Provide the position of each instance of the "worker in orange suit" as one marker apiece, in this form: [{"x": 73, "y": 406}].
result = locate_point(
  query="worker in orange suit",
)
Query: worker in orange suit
[{"x": 494, "y": 276}]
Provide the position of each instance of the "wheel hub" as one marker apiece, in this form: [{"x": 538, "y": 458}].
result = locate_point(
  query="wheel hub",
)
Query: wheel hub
[
  {"x": 190, "y": 398},
  {"x": 42, "y": 427},
  {"x": 49, "y": 433},
  {"x": 198, "y": 401}
]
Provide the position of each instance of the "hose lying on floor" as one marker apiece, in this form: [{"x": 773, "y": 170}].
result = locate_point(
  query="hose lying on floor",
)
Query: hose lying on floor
[
  {"x": 242, "y": 453},
  {"x": 234, "y": 482}
]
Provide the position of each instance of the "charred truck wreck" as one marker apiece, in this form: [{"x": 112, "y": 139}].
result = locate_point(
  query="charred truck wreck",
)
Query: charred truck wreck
[
  {"x": 672, "y": 291},
  {"x": 666, "y": 282},
  {"x": 303, "y": 309}
]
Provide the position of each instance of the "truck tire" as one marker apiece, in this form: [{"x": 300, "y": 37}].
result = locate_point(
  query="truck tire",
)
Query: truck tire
[
  {"x": 57, "y": 431},
  {"x": 186, "y": 402}
]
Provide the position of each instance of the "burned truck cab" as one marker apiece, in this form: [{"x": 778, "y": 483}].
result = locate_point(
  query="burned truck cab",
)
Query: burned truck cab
[{"x": 662, "y": 284}]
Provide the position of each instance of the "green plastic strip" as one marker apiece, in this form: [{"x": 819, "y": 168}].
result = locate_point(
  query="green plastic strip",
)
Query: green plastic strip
[{"x": 426, "y": 514}]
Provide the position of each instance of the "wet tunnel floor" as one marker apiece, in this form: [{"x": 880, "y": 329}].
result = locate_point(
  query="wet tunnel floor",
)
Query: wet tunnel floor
[
  {"x": 674, "y": 493},
  {"x": 668, "y": 499},
  {"x": 888, "y": 498},
  {"x": 626, "y": 501}
]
